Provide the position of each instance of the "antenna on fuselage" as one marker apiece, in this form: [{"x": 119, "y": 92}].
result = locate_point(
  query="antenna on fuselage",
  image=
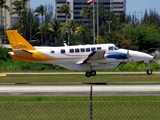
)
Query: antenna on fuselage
[{"x": 64, "y": 43}]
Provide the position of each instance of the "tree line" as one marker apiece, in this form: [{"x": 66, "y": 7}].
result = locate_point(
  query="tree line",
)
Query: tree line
[{"x": 40, "y": 27}]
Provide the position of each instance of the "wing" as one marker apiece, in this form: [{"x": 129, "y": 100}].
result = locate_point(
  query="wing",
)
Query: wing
[{"x": 95, "y": 55}]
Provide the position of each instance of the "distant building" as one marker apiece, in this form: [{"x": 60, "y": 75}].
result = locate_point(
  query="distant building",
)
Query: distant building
[
  {"x": 116, "y": 6},
  {"x": 8, "y": 20}
]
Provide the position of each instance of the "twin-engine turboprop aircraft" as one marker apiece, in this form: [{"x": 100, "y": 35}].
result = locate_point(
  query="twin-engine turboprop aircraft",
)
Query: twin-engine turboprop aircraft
[{"x": 81, "y": 57}]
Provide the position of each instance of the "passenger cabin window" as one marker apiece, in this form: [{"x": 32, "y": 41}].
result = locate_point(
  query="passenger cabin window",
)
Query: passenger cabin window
[
  {"x": 99, "y": 48},
  {"x": 87, "y": 49},
  {"x": 63, "y": 51},
  {"x": 77, "y": 50},
  {"x": 52, "y": 51},
  {"x": 93, "y": 49},
  {"x": 71, "y": 50},
  {"x": 82, "y": 50}
]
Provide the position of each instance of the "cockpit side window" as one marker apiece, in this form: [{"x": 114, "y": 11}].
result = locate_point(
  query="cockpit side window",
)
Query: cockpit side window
[{"x": 110, "y": 48}]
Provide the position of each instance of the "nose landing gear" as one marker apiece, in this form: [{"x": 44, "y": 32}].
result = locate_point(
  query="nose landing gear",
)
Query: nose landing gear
[{"x": 149, "y": 71}]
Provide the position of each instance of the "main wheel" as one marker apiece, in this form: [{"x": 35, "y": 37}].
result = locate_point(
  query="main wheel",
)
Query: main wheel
[
  {"x": 88, "y": 74},
  {"x": 93, "y": 72},
  {"x": 149, "y": 72}
]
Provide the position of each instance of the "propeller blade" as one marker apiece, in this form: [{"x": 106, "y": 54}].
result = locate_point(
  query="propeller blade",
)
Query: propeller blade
[{"x": 128, "y": 56}]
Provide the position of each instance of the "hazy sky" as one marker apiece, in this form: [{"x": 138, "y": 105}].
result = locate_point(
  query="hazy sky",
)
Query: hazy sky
[{"x": 132, "y": 5}]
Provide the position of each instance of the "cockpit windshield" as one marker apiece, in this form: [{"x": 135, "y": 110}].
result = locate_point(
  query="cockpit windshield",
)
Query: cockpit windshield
[
  {"x": 116, "y": 48},
  {"x": 112, "y": 48}
]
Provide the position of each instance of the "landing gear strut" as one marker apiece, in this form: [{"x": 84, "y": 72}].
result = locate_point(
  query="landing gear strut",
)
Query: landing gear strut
[
  {"x": 90, "y": 73},
  {"x": 149, "y": 71}
]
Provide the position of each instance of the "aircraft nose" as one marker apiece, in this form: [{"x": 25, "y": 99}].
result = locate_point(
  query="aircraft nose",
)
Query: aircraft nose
[
  {"x": 140, "y": 56},
  {"x": 147, "y": 57}
]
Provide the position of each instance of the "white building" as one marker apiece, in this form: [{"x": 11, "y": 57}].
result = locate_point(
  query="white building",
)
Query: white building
[
  {"x": 7, "y": 19},
  {"x": 116, "y": 6}
]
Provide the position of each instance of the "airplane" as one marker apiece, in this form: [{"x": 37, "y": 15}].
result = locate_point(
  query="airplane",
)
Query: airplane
[{"x": 87, "y": 58}]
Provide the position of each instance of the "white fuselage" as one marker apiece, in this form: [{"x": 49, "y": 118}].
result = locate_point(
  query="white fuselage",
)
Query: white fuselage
[{"x": 71, "y": 56}]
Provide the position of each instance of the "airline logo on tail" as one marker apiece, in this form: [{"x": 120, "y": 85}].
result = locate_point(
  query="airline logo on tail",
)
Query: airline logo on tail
[{"x": 20, "y": 47}]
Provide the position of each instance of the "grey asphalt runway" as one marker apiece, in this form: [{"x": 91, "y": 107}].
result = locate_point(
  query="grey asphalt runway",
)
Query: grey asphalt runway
[
  {"x": 79, "y": 90},
  {"x": 109, "y": 89}
]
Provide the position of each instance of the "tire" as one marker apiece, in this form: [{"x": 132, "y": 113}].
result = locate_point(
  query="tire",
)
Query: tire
[
  {"x": 88, "y": 74},
  {"x": 93, "y": 72},
  {"x": 149, "y": 72}
]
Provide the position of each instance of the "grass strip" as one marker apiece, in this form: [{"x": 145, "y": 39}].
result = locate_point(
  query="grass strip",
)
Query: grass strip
[{"x": 80, "y": 78}]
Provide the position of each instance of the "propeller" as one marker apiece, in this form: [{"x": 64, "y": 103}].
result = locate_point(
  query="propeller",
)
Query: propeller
[
  {"x": 155, "y": 57},
  {"x": 126, "y": 56}
]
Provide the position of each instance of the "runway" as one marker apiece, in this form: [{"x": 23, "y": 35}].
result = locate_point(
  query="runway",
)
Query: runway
[
  {"x": 145, "y": 89},
  {"x": 99, "y": 89}
]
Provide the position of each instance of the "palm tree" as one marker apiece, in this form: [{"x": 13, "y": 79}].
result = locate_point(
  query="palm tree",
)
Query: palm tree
[
  {"x": 32, "y": 25},
  {"x": 64, "y": 9},
  {"x": 81, "y": 31},
  {"x": 56, "y": 30},
  {"x": 24, "y": 16},
  {"x": 45, "y": 30},
  {"x": 41, "y": 11},
  {"x": 87, "y": 13},
  {"x": 18, "y": 9},
  {"x": 69, "y": 28},
  {"x": 3, "y": 6},
  {"x": 24, "y": 3},
  {"x": 72, "y": 25}
]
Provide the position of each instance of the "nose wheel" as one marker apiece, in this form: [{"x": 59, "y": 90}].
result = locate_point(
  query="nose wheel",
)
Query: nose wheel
[
  {"x": 90, "y": 73},
  {"x": 149, "y": 72}
]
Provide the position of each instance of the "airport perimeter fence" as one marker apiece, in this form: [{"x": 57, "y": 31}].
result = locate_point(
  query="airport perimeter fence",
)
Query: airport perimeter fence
[
  {"x": 81, "y": 110},
  {"x": 65, "y": 110}
]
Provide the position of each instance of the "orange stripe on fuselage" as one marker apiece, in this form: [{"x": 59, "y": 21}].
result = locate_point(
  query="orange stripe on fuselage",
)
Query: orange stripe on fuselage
[{"x": 34, "y": 55}]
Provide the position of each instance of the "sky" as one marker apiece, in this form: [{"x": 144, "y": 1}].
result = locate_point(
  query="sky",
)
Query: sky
[{"x": 132, "y": 6}]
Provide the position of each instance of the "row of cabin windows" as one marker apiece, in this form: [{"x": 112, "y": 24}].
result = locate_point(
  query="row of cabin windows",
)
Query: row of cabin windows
[{"x": 77, "y": 50}]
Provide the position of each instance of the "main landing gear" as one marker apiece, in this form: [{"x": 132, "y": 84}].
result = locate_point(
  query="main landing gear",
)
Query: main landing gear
[{"x": 90, "y": 73}]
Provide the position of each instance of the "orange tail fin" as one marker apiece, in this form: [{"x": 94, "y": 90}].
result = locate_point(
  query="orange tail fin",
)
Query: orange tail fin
[{"x": 17, "y": 42}]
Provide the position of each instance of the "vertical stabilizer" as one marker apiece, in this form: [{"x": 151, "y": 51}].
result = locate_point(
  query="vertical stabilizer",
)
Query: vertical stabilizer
[{"x": 17, "y": 42}]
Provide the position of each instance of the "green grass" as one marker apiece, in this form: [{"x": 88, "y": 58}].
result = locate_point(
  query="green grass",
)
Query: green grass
[
  {"x": 80, "y": 78},
  {"x": 14, "y": 99},
  {"x": 78, "y": 108}
]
